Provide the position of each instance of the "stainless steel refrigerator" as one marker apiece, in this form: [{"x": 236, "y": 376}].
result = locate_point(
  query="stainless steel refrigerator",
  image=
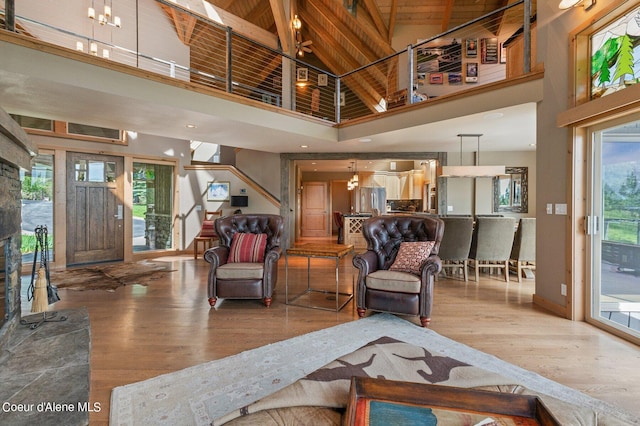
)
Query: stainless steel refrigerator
[{"x": 372, "y": 198}]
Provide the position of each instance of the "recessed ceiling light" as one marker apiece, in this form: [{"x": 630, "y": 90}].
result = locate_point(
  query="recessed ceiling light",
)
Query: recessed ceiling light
[
  {"x": 304, "y": 146},
  {"x": 191, "y": 126},
  {"x": 493, "y": 115},
  {"x": 365, "y": 140},
  {"x": 313, "y": 163}
]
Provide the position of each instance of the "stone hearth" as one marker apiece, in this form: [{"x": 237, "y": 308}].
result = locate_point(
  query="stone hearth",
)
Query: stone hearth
[{"x": 45, "y": 372}]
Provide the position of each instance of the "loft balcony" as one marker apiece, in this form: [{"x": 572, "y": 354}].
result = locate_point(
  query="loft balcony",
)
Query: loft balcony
[{"x": 168, "y": 64}]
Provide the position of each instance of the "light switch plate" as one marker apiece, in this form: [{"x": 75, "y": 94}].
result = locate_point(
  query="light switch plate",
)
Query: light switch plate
[
  {"x": 561, "y": 209},
  {"x": 549, "y": 208}
]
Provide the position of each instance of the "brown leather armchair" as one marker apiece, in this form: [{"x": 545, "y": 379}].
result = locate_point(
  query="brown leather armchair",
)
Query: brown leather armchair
[
  {"x": 381, "y": 289},
  {"x": 244, "y": 279}
]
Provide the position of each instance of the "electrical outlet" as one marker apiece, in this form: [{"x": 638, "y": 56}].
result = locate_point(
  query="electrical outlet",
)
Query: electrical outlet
[{"x": 563, "y": 289}]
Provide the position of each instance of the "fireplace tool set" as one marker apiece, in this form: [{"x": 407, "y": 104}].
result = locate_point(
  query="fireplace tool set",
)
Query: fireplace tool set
[{"x": 41, "y": 293}]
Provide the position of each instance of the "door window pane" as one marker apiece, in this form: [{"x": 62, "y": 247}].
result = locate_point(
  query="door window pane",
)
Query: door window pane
[
  {"x": 152, "y": 206},
  {"x": 96, "y": 171},
  {"x": 616, "y": 279},
  {"x": 37, "y": 204}
]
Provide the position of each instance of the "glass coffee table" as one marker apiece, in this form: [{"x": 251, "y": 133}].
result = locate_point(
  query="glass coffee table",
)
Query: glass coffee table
[{"x": 326, "y": 251}]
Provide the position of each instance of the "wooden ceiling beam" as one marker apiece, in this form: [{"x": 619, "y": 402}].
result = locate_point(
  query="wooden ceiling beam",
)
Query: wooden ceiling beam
[
  {"x": 373, "y": 10},
  {"x": 282, "y": 25},
  {"x": 183, "y": 23},
  {"x": 392, "y": 19},
  {"x": 319, "y": 30},
  {"x": 222, "y": 17},
  {"x": 446, "y": 17},
  {"x": 316, "y": 11},
  {"x": 327, "y": 57}
]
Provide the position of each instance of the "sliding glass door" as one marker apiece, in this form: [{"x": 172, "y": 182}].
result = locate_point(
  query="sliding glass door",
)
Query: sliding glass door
[{"x": 613, "y": 225}]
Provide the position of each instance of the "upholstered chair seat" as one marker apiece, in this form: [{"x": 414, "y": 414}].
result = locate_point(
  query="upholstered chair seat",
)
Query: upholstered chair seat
[
  {"x": 397, "y": 271},
  {"x": 245, "y": 264}
]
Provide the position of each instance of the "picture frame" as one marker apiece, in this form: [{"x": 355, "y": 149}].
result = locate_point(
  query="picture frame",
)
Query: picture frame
[
  {"x": 302, "y": 74},
  {"x": 471, "y": 47},
  {"x": 454, "y": 78},
  {"x": 436, "y": 78},
  {"x": 511, "y": 191},
  {"x": 490, "y": 50},
  {"x": 471, "y": 75},
  {"x": 323, "y": 80},
  {"x": 218, "y": 191},
  {"x": 343, "y": 98},
  {"x": 503, "y": 53}
]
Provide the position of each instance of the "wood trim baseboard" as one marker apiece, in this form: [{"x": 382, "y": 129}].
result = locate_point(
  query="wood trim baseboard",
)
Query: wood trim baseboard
[{"x": 550, "y": 306}]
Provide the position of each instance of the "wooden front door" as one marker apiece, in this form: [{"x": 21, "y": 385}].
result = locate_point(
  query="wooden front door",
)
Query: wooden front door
[
  {"x": 315, "y": 212},
  {"x": 95, "y": 210}
]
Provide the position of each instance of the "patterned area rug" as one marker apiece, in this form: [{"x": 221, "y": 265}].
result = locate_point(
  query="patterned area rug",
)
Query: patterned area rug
[
  {"x": 313, "y": 370},
  {"x": 109, "y": 276}
]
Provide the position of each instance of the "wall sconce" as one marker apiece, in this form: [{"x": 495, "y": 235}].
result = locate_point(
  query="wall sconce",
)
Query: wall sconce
[{"x": 568, "y": 4}]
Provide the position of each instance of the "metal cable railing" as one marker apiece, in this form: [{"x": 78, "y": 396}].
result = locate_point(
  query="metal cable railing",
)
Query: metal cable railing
[{"x": 179, "y": 43}]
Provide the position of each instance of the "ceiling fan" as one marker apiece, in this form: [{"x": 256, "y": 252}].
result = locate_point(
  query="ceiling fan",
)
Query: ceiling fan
[{"x": 302, "y": 46}]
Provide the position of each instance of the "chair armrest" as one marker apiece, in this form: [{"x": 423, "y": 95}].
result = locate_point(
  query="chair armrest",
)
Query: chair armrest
[
  {"x": 273, "y": 255},
  {"x": 216, "y": 256},
  {"x": 366, "y": 263},
  {"x": 431, "y": 265}
]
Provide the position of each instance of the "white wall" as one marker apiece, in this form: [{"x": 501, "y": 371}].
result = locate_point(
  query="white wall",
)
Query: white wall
[{"x": 261, "y": 167}]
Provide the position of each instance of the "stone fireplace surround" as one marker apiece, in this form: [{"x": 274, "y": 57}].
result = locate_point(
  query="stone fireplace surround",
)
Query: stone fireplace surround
[{"x": 44, "y": 371}]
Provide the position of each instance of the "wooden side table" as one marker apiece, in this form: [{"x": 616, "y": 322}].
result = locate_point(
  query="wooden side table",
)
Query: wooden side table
[
  {"x": 207, "y": 243},
  {"x": 327, "y": 251}
]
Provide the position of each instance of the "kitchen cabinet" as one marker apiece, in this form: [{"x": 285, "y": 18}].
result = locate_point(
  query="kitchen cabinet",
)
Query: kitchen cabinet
[
  {"x": 400, "y": 186},
  {"x": 417, "y": 181},
  {"x": 392, "y": 184}
]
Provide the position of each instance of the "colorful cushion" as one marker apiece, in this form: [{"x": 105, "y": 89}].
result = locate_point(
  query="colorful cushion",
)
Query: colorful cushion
[
  {"x": 247, "y": 248},
  {"x": 208, "y": 230},
  {"x": 411, "y": 255}
]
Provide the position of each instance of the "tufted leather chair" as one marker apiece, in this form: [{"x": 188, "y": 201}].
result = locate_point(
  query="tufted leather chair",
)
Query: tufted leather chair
[
  {"x": 244, "y": 280},
  {"x": 384, "y": 235}
]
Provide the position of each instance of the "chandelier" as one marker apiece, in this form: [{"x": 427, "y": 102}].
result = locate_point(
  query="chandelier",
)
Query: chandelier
[
  {"x": 353, "y": 182},
  {"x": 105, "y": 18},
  {"x": 473, "y": 170}
]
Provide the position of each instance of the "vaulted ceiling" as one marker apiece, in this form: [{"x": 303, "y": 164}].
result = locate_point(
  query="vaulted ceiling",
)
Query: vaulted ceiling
[{"x": 343, "y": 40}]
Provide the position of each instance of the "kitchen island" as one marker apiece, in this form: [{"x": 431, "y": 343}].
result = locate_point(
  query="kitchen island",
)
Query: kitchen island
[{"x": 353, "y": 230}]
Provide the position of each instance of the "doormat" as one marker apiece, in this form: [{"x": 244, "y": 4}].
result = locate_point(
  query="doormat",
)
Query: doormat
[{"x": 110, "y": 276}]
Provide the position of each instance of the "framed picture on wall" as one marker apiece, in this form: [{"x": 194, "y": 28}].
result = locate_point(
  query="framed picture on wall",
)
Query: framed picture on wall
[
  {"x": 323, "y": 79},
  {"x": 302, "y": 74},
  {"x": 471, "y": 48},
  {"x": 218, "y": 191},
  {"x": 471, "y": 75},
  {"x": 436, "y": 78}
]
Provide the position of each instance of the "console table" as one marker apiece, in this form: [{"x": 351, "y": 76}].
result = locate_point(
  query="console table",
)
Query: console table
[{"x": 327, "y": 251}]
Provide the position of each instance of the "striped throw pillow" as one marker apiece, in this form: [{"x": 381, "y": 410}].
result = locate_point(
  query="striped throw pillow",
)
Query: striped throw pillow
[{"x": 247, "y": 248}]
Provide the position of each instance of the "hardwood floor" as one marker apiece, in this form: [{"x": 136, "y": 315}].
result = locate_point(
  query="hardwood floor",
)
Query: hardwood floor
[{"x": 140, "y": 332}]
